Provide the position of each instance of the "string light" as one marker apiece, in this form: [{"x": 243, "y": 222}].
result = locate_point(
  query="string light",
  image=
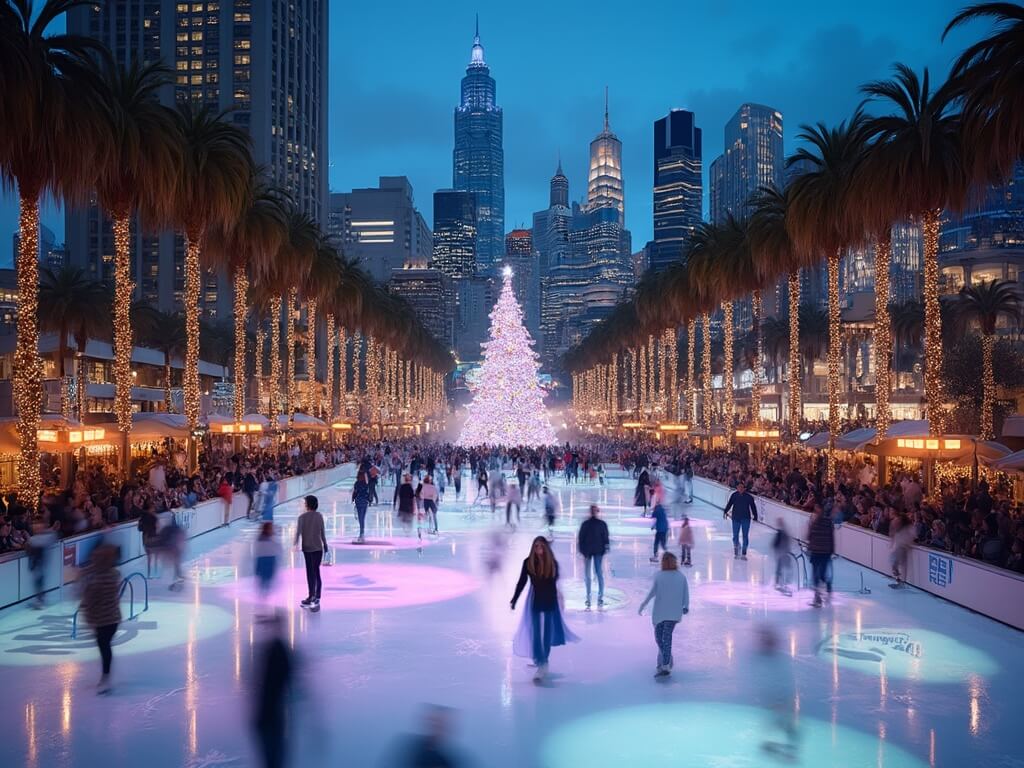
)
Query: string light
[
  {"x": 706, "y": 364},
  {"x": 82, "y": 387},
  {"x": 727, "y": 383},
  {"x": 191, "y": 372},
  {"x": 124, "y": 288},
  {"x": 673, "y": 372},
  {"x": 834, "y": 360},
  {"x": 932, "y": 324},
  {"x": 883, "y": 335},
  {"x": 642, "y": 359},
  {"x": 273, "y": 409},
  {"x": 988, "y": 379},
  {"x": 691, "y": 363},
  {"x": 795, "y": 376},
  {"x": 758, "y": 372},
  {"x": 260, "y": 361},
  {"x": 291, "y": 392},
  {"x": 241, "y": 311},
  {"x": 28, "y": 368},
  {"x": 357, "y": 344},
  {"x": 651, "y": 368},
  {"x": 406, "y": 389},
  {"x": 311, "y": 382},
  {"x": 342, "y": 372},
  {"x": 332, "y": 361}
]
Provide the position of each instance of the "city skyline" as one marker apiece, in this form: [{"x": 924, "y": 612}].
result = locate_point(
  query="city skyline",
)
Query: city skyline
[{"x": 746, "y": 53}]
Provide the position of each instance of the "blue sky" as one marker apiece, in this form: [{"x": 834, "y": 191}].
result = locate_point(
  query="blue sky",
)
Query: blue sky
[{"x": 395, "y": 69}]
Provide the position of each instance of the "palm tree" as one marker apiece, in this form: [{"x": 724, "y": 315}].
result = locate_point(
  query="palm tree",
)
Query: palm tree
[
  {"x": 989, "y": 76},
  {"x": 48, "y": 86},
  {"x": 215, "y": 187},
  {"x": 321, "y": 282},
  {"x": 984, "y": 303},
  {"x": 815, "y": 334},
  {"x": 820, "y": 221},
  {"x": 142, "y": 155},
  {"x": 775, "y": 339},
  {"x": 922, "y": 145},
  {"x": 164, "y": 332},
  {"x": 94, "y": 322}
]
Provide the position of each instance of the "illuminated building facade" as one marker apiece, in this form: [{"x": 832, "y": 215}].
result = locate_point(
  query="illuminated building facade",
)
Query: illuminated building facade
[
  {"x": 427, "y": 290},
  {"x": 380, "y": 227},
  {"x": 266, "y": 62},
  {"x": 753, "y": 158},
  {"x": 521, "y": 256},
  {"x": 478, "y": 160},
  {"x": 678, "y": 188},
  {"x": 605, "y": 187},
  {"x": 455, "y": 233}
]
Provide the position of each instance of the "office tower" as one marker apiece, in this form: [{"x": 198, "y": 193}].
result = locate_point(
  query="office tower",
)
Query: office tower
[
  {"x": 642, "y": 260},
  {"x": 857, "y": 269},
  {"x": 380, "y": 226},
  {"x": 753, "y": 158},
  {"x": 266, "y": 62},
  {"x": 455, "y": 233},
  {"x": 428, "y": 292},
  {"x": 478, "y": 159},
  {"x": 551, "y": 243},
  {"x": 678, "y": 188},
  {"x": 605, "y": 187},
  {"x": 521, "y": 256},
  {"x": 52, "y": 255}
]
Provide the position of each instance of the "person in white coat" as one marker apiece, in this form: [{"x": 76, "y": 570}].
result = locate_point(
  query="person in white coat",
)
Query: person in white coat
[{"x": 671, "y": 595}]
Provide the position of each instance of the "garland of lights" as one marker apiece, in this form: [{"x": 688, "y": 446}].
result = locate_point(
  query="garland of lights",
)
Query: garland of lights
[
  {"x": 691, "y": 362},
  {"x": 651, "y": 371},
  {"x": 342, "y": 372},
  {"x": 988, "y": 391},
  {"x": 65, "y": 397},
  {"x": 673, "y": 373},
  {"x": 357, "y": 346},
  {"x": 191, "y": 372},
  {"x": 241, "y": 311},
  {"x": 372, "y": 378},
  {"x": 642, "y": 358},
  {"x": 311, "y": 382},
  {"x": 834, "y": 359},
  {"x": 82, "y": 382},
  {"x": 168, "y": 405},
  {"x": 332, "y": 361},
  {"x": 259, "y": 361},
  {"x": 291, "y": 392},
  {"x": 406, "y": 387},
  {"x": 932, "y": 324},
  {"x": 124, "y": 288},
  {"x": 28, "y": 368},
  {"x": 795, "y": 377},
  {"x": 727, "y": 373},
  {"x": 883, "y": 336},
  {"x": 706, "y": 365},
  {"x": 273, "y": 408},
  {"x": 756, "y": 384}
]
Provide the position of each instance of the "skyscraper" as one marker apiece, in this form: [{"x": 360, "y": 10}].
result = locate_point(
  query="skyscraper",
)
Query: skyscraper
[
  {"x": 753, "y": 158},
  {"x": 478, "y": 160},
  {"x": 678, "y": 190},
  {"x": 266, "y": 62},
  {"x": 605, "y": 187},
  {"x": 521, "y": 256},
  {"x": 455, "y": 233},
  {"x": 381, "y": 227}
]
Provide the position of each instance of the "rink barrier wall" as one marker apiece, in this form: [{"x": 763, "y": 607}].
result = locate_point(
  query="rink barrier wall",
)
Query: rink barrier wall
[
  {"x": 993, "y": 592},
  {"x": 17, "y": 582}
]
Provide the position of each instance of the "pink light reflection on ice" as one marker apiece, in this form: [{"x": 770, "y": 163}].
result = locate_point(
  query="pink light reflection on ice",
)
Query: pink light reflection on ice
[{"x": 739, "y": 594}]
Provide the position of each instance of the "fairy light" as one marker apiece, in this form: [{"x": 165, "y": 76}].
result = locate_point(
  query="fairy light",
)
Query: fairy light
[
  {"x": 706, "y": 365},
  {"x": 795, "y": 377},
  {"x": 291, "y": 393},
  {"x": 691, "y": 363},
  {"x": 673, "y": 373},
  {"x": 28, "y": 368},
  {"x": 191, "y": 372},
  {"x": 651, "y": 371},
  {"x": 82, "y": 379},
  {"x": 357, "y": 345},
  {"x": 883, "y": 336},
  {"x": 988, "y": 397},
  {"x": 260, "y": 363},
  {"x": 642, "y": 398},
  {"x": 273, "y": 410},
  {"x": 311, "y": 382},
  {"x": 406, "y": 389},
  {"x": 758, "y": 372},
  {"x": 932, "y": 324},
  {"x": 332, "y": 361},
  {"x": 241, "y": 310},
  {"x": 834, "y": 359},
  {"x": 727, "y": 377},
  {"x": 124, "y": 288}
]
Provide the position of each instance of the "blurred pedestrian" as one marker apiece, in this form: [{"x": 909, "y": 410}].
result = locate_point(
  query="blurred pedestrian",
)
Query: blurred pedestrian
[
  {"x": 821, "y": 545},
  {"x": 593, "y": 544},
  {"x": 274, "y": 679},
  {"x": 671, "y": 595},
  {"x": 266, "y": 555},
  {"x": 781, "y": 549},
  {"x": 101, "y": 605},
  {"x": 660, "y": 528},
  {"x": 685, "y": 542}
]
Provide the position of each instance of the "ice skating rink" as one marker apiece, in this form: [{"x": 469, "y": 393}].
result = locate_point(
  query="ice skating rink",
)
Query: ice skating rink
[{"x": 894, "y": 679}]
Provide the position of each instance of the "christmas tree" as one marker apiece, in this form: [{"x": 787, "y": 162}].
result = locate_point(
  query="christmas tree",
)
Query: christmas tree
[{"x": 508, "y": 402}]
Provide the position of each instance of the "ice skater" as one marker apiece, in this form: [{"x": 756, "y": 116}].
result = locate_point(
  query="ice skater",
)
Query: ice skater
[
  {"x": 274, "y": 682},
  {"x": 266, "y": 555},
  {"x": 513, "y": 498},
  {"x": 660, "y": 528},
  {"x": 457, "y": 480},
  {"x": 688, "y": 481},
  {"x": 821, "y": 545},
  {"x": 902, "y": 536},
  {"x": 309, "y": 529},
  {"x": 481, "y": 484},
  {"x": 361, "y": 498},
  {"x": 671, "y": 595},
  {"x": 642, "y": 494},
  {"x": 428, "y": 497},
  {"x": 780, "y": 548},
  {"x": 101, "y": 605},
  {"x": 172, "y": 545},
  {"x": 550, "y": 510},
  {"x": 405, "y": 499},
  {"x": 743, "y": 509},
  {"x": 685, "y": 542},
  {"x": 593, "y": 544},
  {"x": 542, "y": 626}
]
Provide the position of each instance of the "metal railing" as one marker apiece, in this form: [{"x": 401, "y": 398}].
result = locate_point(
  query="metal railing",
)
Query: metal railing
[{"x": 126, "y": 583}]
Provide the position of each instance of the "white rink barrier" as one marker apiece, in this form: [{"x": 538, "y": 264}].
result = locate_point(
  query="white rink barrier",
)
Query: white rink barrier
[
  {"x": 994, "y": 592},
  {"x": 17, "y": 582}
]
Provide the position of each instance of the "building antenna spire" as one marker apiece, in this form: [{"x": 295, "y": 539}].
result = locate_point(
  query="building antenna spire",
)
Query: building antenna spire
[
  {"x": 606, "y": 107},
  {"x": 477, "y": 36}
]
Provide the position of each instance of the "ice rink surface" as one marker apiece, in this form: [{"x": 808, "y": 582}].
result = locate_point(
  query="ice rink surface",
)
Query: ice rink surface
[{"x": 895, "y": 678}]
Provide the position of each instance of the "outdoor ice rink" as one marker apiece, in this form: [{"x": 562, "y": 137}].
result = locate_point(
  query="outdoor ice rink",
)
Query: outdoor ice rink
[{"x": 894, "y": 679}]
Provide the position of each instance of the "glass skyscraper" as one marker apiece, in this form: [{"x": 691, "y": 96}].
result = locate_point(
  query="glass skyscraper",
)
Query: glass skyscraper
[
  {"x": 753, "y": 158},
  {"x": 605, "y": 188},
  {"x": 678, "y": 190},
  {"x": 478, "y": 161}
]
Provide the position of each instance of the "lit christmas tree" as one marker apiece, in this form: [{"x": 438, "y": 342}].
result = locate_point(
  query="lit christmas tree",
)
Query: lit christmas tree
[{"x": 508, "y": 402}]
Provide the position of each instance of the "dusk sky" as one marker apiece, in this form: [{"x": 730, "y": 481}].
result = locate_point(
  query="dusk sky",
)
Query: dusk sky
[{"x": 395, "y": 70}]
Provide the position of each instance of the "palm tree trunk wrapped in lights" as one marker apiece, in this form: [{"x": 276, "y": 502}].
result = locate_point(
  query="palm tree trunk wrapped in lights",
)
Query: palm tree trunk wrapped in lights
[
  {"x": 691, "y": 381},
  {"x": 312, "y": 386},
  {"x": 124, "y": 288},
  {"x": 259, "y": 361},
  {"x": 357, "y": 343},
  {"x": 758, "y": 373},
  {"x": 273, "y": 410},
  {"x": 727, "y": 373},
  {"x": 933, "y": 389},
  {"x": 342, "y": 372},
  {"x": 191, "y": 299},
  {"x": 706, "y": 369},
  {"x": 332, "y": 361},
  {"x": 241, "y": 312},
  {"x": 883, "y": 335},
  {"x": 652, "y": 397},
  {"x": 291, "y": 392},
  {"x": 795, "y": 374},
  {"x": 835, "y": 359},
  {"x": 988, "y": 387}
]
